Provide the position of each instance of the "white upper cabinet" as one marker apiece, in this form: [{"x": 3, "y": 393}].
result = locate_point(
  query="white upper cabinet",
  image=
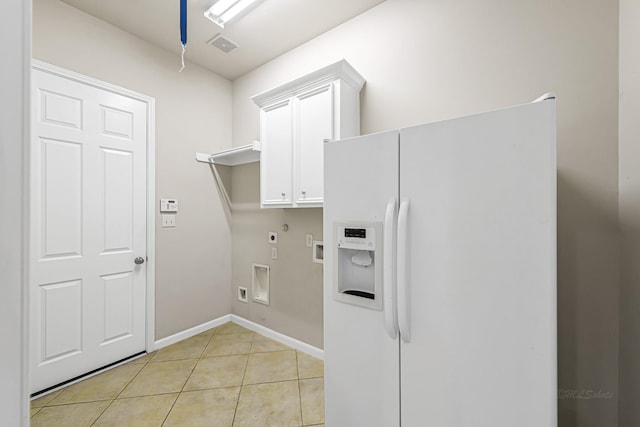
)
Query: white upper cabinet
[
  {"x": 315, "y": 124},
  {"x": 276, "y": 163},
  {"x": 295, "y": 120}
]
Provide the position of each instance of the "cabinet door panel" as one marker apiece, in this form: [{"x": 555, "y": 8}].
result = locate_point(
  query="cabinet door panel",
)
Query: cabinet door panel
[
  {"x": 277, "y": 155},
  {"x": 314, "y": 125}
]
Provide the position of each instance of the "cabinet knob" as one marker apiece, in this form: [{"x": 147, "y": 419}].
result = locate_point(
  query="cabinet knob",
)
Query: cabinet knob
[
  {"x": 304, "y": 193},
  {"x": 283, "y": 194}
]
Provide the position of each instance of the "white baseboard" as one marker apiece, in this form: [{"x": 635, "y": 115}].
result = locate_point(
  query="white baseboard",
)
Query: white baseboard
[
  {"x": 281, "y": 338},
  {"x": 270, "y": 333},
  {"x": 188, "y": 333}
]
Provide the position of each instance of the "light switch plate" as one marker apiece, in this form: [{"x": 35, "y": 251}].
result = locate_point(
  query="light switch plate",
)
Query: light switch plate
[
  {"x": 274, "y": 253},
  {"x": 309, "y": 240},
  {"x": 168, "y": 205},
  {"x": 168, "y": 221}
]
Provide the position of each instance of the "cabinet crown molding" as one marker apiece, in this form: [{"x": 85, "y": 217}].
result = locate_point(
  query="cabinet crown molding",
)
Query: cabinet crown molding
[{"x": 340, "y": 70}]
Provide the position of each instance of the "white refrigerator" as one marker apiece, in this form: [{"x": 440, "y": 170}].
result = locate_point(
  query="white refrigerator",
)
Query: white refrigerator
[{"x": 440, "y": 273}]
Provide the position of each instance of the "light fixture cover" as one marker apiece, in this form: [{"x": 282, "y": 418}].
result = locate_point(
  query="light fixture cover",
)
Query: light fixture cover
[{"x": 224, "y": 10}]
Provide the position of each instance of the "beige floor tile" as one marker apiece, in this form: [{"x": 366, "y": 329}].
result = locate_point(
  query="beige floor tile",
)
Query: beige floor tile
[
  {"x": 104, "y": 386},
  {"x": 143, "y": 359},
  {"x": 160, "y": 377},
  {"x": 211, "y": 408},
  {"x": 272, "y": 404},
  {"x": 312, "y": 400},
  {"x": 228, "y": 345},
  {"x": 76, "y": 415},
  {"x": 309, "y": 367},
  {"x": 208, "y": 333},
  {"x": 33, "y": 411},
  {"x": 263, "y": 344},
  {"x": 231, "y": 328},
  {"x": 147, "y": 411},
  {"x": 270, "y": 367},
  {"x": 45, "y": 399},
  {"x": 191, "y": 348},
  {"x": 216, "y": 372}
]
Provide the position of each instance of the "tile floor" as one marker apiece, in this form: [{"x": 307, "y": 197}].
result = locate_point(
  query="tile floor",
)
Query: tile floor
[{"x": 226, "y": 376}]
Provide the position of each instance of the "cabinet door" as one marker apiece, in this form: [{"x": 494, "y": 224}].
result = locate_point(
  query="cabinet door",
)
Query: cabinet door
[
  {"x": 277, "y": 155},
  {"x": 314, "y": 125}
]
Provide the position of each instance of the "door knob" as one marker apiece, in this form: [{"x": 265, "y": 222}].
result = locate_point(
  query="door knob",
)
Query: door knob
[{"x": 139, "y": 260}]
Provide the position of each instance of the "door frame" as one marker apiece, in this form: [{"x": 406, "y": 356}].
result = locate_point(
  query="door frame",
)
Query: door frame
[{"x": 151, "y": 181}]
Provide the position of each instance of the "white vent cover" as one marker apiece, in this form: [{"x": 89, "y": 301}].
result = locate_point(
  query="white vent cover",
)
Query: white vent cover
[{"x": 223, "y": 43}]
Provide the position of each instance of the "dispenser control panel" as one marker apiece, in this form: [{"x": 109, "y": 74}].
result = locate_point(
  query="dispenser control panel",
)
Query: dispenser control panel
[
  {"x": 360, "y": 233},
  {"x": 356, "y": 237},
  {"x": 358, "y": 264}
]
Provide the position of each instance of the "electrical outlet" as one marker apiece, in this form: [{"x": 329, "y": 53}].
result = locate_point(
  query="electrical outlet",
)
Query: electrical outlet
[
  {"x": 273, "y": 238},
  {"x": 168, "y": 221},
  {"x": 274, "y": 253},
  {"x": 309, "y": 240}
]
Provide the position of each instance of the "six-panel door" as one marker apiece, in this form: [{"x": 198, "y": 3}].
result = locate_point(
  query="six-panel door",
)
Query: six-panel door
[{"x": 88, "y": 224}]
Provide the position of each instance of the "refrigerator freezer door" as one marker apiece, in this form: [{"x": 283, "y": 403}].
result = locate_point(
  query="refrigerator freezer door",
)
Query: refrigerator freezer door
[
  {"x": 481, "y": 270},
  {"x": 361, "y": 359}
]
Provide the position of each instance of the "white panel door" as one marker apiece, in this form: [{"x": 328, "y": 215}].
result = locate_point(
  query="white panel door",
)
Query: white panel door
[
  {"x": 481, "y": 274},
  {"x": 314, "y": 125},
  {"x": 362, "y": 370},
  {"x": 276, "y": 183},
  {"x": 88, "y": 224}
]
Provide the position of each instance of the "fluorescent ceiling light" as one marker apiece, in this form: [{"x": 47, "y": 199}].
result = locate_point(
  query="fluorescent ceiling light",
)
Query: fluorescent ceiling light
[{"x": 224, "y": 10}]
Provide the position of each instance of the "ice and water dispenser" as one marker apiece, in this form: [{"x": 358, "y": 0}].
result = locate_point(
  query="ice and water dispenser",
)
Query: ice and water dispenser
[{"x": 359, "y": 264}]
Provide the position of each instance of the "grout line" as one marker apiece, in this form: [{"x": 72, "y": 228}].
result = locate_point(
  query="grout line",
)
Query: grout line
[
  {"x": 34, "y": 414},
  {"x": 131, "y": 380},
  {"x": 299, "y": 389},
  {"x": 171, "y": 409},
  {"x": 244, "y": 372},
  {"x": 77, "y": 403},
  {"x": 103, "y": 411}
]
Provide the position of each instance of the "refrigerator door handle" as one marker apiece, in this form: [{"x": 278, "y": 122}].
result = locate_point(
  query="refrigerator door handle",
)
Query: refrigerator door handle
[
  {"x": 388, "y": 285},
  {"x": 404, "y": 314}
]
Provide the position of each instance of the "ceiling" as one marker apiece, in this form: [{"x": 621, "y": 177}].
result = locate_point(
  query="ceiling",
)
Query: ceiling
[{"x": 269, "y": 29}]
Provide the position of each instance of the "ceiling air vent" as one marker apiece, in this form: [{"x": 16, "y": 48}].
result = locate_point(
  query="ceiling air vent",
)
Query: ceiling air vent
[{"x": 223, "y": 43}]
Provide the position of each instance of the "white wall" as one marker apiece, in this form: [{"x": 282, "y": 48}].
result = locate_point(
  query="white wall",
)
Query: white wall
[
  {"x": 193, "y": 113},
  {"x": 426, "y": 60},
  {"x": 15, "y": 52},
  {"x": 630, "y": 212},
  {"x": 295, "y": 303}
]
